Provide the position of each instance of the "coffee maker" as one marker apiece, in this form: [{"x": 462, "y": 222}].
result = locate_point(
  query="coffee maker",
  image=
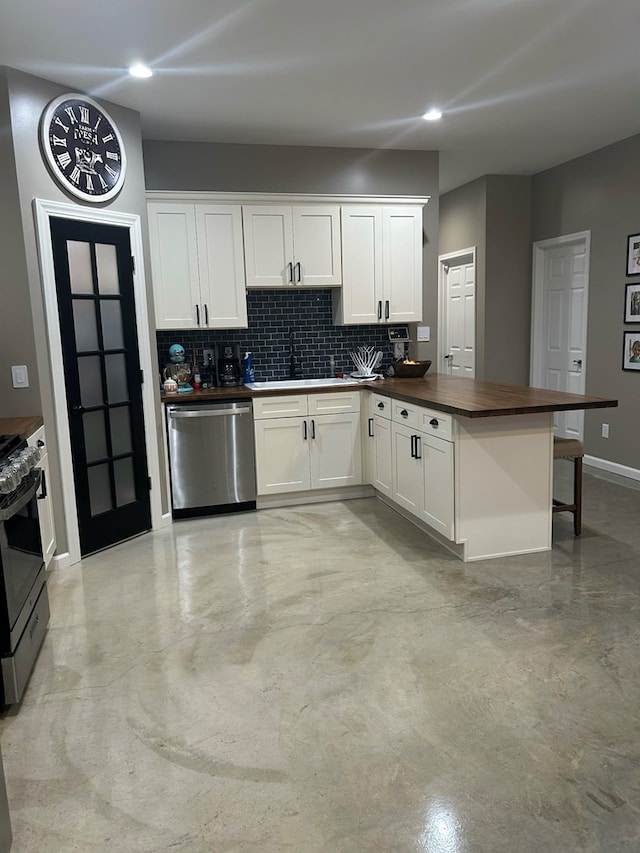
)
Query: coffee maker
[{"x": 228, "y": 367}]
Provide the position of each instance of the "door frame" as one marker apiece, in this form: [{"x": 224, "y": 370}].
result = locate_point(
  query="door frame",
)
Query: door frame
[
  {"x": 44, "y": 210},
  {"x": 537, "y": 299},
  {"x": 444, "y": 262}
]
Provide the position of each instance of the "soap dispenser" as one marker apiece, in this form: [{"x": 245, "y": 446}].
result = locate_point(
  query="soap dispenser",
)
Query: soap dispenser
[{"x": 248, "y": 373}]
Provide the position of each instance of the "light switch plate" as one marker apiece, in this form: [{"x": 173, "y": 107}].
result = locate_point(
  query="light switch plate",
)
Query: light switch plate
[
  {"x": 424, "y": 333},
  {"x": 20, "y": 376}
]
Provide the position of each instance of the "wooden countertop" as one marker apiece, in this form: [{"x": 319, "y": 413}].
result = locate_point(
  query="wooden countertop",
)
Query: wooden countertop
[
  {"x": 24, "y": 427},
  {"x": 457, "y": 395}
]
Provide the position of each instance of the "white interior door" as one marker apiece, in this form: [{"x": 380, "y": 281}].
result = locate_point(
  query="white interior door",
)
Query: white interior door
[
  {"x": 559, "y": 334},
  {"x": 458, "y": 315}
]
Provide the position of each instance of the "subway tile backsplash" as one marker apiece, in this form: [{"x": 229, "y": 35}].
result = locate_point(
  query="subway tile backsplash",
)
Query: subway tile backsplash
[{"x": 272, "y": 313}]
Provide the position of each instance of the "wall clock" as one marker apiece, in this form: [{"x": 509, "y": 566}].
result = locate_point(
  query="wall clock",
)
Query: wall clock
[{"x": 83, "y": 148}]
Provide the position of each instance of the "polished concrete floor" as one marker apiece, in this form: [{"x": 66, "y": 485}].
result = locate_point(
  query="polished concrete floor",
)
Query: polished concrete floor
[{"x": 326, "y": 678}]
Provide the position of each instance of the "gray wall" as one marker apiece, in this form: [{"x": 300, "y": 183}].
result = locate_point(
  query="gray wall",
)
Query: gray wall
[
  {"x": 493, "y": 214},
  {"x": 599, "y": 193},
  {"x": 212, "y": 167},
  {"x": 22, "y": 315}
]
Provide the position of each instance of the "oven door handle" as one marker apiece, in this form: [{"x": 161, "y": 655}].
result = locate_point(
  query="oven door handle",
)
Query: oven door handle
[{"x": 8, "y": 512}]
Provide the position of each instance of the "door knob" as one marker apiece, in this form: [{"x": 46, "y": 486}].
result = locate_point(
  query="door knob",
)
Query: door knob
[
  {"x": 448, "y": 356},
  {"x": 578, "y": 361}
]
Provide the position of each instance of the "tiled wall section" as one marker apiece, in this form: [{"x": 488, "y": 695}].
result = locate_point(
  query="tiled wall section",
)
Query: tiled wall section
[{"x": 272, "y": 313}]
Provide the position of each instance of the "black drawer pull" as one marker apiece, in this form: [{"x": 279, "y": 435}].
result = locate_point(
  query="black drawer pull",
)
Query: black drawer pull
[
  {"x": 433, "y": 422},
  {"x": 404, "y": 413},
  {"x": 381, "y": 405},
  {"x": 370, "y": 427}
]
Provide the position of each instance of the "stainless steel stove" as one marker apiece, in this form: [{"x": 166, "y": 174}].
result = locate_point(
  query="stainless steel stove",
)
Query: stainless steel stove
[{"x": 24, "y": 603}]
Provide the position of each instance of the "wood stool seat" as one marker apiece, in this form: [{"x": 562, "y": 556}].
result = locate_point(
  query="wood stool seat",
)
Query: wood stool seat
[{"x": 571, "y": 448}]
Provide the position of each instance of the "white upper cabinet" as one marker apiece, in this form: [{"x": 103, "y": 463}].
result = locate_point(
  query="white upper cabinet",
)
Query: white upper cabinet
[
  {"x": 197, "y": 266},
  {"x": 382, "y": 265},
  {"x": 292, "y": 246}
]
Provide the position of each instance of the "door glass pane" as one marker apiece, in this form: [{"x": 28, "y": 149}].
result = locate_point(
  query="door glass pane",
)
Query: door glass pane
[
  {"x": 80, "y": 267},
  {"x": 99, "y": 489},
  {"x": 125, "y": 485},
  {"x": 90, "y": 380},
  {"x": 84, "y": 323},
  {"x": 120, "y": 430},
  {"x": 107, "y": 264},
  {"x": 95, "y": 435},
  {"x": 116, "y": 378},
  {"x": 111, "y": 311}
]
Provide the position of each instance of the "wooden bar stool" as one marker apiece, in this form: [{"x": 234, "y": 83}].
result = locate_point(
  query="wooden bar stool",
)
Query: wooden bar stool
[{"x": 571, "y": 448}]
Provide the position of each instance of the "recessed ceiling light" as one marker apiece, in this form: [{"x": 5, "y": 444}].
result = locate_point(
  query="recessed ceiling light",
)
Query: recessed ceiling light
[
  {"x": 139, "y": 69},
  {"x": 432, "y": 115}
]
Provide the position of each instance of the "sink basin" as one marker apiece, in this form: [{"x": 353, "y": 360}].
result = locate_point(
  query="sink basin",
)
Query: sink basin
[{"x": 298, "y": 384}]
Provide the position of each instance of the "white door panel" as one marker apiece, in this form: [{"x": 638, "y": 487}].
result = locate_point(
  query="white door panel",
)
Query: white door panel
[{"x": 459, "y": 316}]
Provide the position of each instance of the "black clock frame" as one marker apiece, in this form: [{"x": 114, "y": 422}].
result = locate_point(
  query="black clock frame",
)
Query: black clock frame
[{"x": 101, "y": 161}]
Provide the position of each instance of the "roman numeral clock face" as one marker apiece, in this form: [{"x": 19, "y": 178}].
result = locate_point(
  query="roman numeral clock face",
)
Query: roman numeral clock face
[{"x": 83, "y": 148}]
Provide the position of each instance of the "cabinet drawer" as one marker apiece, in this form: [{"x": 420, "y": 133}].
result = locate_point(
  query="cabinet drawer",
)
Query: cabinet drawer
[
  {"x": 435, "y": 423},
  {"x": 381, "y": 406},
  {"x": 334, "y": 403},
  {"x": 287, "y": 406},
  {"x": 405, "y": 413}
]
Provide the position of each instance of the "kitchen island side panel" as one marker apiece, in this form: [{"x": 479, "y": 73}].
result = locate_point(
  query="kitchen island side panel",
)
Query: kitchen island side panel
[{"x": 503, "y": 485}]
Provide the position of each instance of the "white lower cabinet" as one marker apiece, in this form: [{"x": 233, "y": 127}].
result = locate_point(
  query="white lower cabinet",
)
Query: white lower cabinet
[
  {"x": 314, "y": 451},
  {"x": 45, "y": 506}
]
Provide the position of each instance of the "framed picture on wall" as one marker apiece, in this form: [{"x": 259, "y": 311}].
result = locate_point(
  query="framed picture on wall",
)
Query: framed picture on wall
[
  {"x": 631, "y": 351},
  {"x": 632, "y": 304},
  {"x": 633, "y": 254}
]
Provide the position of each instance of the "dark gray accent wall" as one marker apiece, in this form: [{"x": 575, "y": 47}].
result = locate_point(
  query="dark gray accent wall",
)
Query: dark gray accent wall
[
  {"x": 212, "y": 167},
  {"x": 493, "y": 214},
  {"x": 599, "y": 193},
  {"x": 23, "y": 97}
]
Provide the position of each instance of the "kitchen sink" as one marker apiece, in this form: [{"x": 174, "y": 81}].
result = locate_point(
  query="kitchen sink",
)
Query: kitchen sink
[{"x": 295, "y": 384}]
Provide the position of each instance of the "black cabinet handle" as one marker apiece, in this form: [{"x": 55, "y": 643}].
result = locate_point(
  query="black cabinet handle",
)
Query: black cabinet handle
[
  {"x": 43, "y": 490},
  {"x": 381, "y": 405},
  {"x": 206, "y": 314},
  {"x": 379, "y": 309},
  {"x": 313, "y": 428},
  {"x": 290, "y": 265},
  {"x": 404, "y": 413},
  {"x": 434, "y": 422},
  {"x": 386, "y": 310},
  {"x": 304, "y": 429},
  {"x": 299, "y": 271},
  {"x": 418, "y": 447},
  {"x": 370, "y": 427},
  {"x": 198, "y": 314},
  {"x": 40, "y": 443},
  {"x": 413, "y": 451}
]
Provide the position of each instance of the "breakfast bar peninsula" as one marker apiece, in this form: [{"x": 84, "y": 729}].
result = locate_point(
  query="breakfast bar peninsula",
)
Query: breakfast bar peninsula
[{"x": 472, "y": 461}]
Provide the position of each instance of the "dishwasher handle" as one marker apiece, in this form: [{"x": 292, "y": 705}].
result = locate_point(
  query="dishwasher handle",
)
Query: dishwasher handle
[{"x": 209, "y": 413}]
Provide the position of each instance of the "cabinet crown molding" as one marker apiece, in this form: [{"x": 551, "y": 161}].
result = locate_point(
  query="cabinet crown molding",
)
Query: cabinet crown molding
[{"x": 280, "y": 198}]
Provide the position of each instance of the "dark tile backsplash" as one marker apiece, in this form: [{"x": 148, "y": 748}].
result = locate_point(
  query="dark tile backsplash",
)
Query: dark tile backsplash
[{"x": 272, "y": 313}]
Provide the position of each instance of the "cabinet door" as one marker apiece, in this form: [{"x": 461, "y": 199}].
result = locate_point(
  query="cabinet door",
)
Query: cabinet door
[
  {"x": 282, "y": 455},
  {"x": 316, "y": 246},
  {"x": 437, "y": 462},
  {"x": 174, "y": 265},
  {"x": 402, "y": 241},
  {"x": 360, "y": 300},
  {"x": 382, "y": 469},
  {"x": 407, "y": 469},
  {"x": 45, "y": 513},
  {"x": 268, "y": 245},
  {"x": 335, "y": 451},
  {"x": 221, "y": 266}
]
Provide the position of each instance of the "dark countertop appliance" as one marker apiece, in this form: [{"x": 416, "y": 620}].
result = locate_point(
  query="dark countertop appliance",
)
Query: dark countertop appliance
[
  {"x": 228, "y": 366},
  {"x": 24, "y": 602}
]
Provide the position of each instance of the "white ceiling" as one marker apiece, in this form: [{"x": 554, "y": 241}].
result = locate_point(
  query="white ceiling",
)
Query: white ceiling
[{"x": 525, "y": 84}]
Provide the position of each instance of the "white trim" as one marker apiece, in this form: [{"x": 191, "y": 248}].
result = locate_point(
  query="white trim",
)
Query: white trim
[
  {"x": 282, "y": 198},
  {"x": 43, "y": 211},
  {"x": 613, "y": 467},
  {"x": 443, "y": 268},
  {"x": 59, "y": 561},
  {"x": 537, "y": 299}
]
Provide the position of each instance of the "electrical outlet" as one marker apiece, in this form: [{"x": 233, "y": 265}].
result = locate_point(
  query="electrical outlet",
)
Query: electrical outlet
[
  {"x": 207, "y": 354},
  {"x": 605, "y": 430}
]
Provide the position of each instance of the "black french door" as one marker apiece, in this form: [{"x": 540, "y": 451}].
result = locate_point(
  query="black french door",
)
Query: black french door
[{"x": 94, "y": 283}]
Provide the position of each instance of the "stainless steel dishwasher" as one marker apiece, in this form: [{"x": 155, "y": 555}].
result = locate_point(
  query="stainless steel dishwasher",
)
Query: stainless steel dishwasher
[{"x": 211, "y": 457}]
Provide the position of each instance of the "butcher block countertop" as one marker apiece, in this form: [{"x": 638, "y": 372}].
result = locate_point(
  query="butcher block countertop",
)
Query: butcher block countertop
[
  {"x": 24, "y": 427},
  {"x": 457, "y": 395}
]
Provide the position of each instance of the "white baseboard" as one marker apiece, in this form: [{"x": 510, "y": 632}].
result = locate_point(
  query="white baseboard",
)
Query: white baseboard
[
  {"x": 59, "y": 561},
  {"x": 343, "y": 493},
  {"x": 612, "y": 467}
]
